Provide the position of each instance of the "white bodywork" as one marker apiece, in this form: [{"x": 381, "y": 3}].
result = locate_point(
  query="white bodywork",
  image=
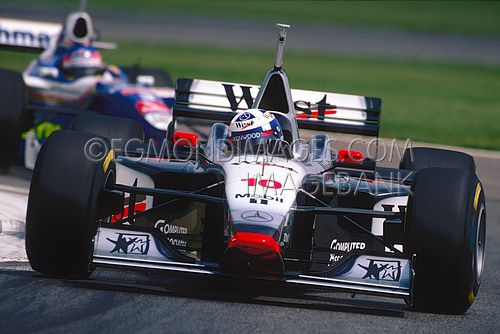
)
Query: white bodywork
[
  {"x": 30, "y": 34},
  {"x": 350, "y": 109},
  {"x": 264, "y": 184},
  {"x": 55, "y": 92},
  {"x": 261, "y": 190}
]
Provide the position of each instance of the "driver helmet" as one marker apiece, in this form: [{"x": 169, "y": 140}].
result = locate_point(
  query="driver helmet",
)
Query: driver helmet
[
  {"x": 80, "y": 61},
  {"x": 253, "y": 127}
]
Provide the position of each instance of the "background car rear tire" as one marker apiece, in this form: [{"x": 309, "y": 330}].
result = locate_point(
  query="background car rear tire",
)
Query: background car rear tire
[
  {"x": 63, "y": 206},
  {"x": 12, "y": 115},
  {"x": 119, "y": 131},
  {"x": 418, "y": 158},
  {"x": 161, "y": 78},
  {"x": 445, "y": 229}
]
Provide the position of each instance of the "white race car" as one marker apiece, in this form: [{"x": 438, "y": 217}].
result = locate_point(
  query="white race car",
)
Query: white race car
[{"x": 290, "y": 211}]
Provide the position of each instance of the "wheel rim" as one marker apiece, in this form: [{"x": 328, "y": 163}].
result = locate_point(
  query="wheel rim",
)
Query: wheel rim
[{"x": 480, "y": 242}]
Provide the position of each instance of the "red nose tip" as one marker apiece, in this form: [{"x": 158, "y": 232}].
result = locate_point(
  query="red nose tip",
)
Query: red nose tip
[{"x": 254, "y": 243}]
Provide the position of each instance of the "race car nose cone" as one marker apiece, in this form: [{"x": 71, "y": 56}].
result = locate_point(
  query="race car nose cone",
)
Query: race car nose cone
[
  {"x": 255, "y": 243},
  {"x": 252, "y": 254}
]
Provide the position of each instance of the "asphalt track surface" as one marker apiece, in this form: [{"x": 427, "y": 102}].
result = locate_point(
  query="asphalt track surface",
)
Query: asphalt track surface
[
  {"x": 115, "y": 301},
  {"x": 229, "y": 33}
]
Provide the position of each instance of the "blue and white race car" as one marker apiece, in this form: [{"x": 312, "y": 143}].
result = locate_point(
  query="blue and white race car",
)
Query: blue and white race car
[{"x": 69, "y": 77}]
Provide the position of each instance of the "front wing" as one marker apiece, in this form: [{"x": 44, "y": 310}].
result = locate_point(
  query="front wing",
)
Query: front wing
[{"x": 363, "y": 274}]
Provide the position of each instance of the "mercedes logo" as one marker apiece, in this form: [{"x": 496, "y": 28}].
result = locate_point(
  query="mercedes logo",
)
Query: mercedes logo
[
  {"x": 257, "y": 216},
  {"x": 245, "y": 116}
]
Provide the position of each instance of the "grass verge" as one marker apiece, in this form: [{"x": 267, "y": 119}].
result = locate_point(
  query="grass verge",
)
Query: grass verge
[{"x": 444, "y": 103}]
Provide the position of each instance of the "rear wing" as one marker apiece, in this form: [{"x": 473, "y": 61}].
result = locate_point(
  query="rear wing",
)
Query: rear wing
[
  {"x": 37, "y": 36},
  {"x": 27, "y": 35},
  {"x": 214, "y": 101}
]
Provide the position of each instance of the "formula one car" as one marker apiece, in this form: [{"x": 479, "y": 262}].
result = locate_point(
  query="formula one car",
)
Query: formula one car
[
  {"x": 69, "y": 77},
  {"x": 289, "y": 211}
]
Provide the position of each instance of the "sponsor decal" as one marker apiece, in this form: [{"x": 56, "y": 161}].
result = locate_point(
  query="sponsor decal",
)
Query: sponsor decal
[
  {"x": 252, "y": 135},
  {"x": 258, "y": 201},
  {"x": 389, "y": 204},
  {"x": 243, "y": 125},
  {"x": 231, "y": 97},
  {"x": 314, "y": 114},
  {"x": 336, "y": 257},
  {"x": 265, "y": 183},
  {"x": 167, "y": 229},
  {"x": 267, "y": 114},
  {"x": 128, "y": 243},
  {"x": 262, "y": 199},
  {"x": 305, "y": 110},
  {"x": 345, "y": 247},
  {"x": 245, "y": 116},
  {"x": 382, "y": 270},
  {"x": 476, "y": 196},
  {"x": 109, "y": 157},
  {"x": 24, "y": 38},
  {"x": 257, "y": 216}
]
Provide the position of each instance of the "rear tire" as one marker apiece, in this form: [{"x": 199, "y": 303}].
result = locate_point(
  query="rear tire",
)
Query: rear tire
[
  {"x": 445, "y": 229},
  {"x": 419, "y": 158},
  {"x": 119, "y": 131},
  {"x": 12, "y": 115},
  {"x": 63, "y": 206}
]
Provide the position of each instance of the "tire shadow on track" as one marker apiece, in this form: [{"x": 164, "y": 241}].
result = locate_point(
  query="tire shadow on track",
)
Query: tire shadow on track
[{"x": 235, "y": 290}]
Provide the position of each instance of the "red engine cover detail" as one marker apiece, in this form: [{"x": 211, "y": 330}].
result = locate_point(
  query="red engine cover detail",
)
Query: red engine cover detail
[
  {"x": 350, "y": 156},
  {"x": 186, "y": 138},
  {"x": 139, "y": 207}
]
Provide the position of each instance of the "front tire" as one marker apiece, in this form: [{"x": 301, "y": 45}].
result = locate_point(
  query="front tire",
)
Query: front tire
[
  {"x": 419, "y": 158},
  {"x": 63, "y": 206},
  {"x": 445, "y": 229}
]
